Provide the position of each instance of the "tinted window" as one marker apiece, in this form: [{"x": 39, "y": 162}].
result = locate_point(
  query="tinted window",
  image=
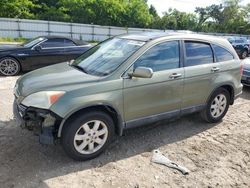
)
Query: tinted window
[
  {"x": 222, "y": 54},
  {"x": 239, "y": 41},
  {"x": 51, "y": 43},
  {"x": 231, "y": 40},
  {"x": 32, "y": 42},
  {"x": 198, "y": 53},
  {"x": 160, "y": 57},
  {"x": 68, "y": 42}
]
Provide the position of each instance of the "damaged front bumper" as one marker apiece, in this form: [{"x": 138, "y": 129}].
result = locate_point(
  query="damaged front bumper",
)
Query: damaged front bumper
[{"x": 43, "y": 122}]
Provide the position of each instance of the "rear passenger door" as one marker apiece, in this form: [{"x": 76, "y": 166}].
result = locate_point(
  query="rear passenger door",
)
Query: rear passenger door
[
  {"x": 228, "y": 66},
  {"x": 200, "y": 72}
]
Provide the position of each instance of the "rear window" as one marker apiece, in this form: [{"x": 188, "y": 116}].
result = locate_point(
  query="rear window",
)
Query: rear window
[
  {"x": 222, "y": 54},
  {"x": 68, "y": 43},
  {"x": 53, "y": 43},
  {"x": 239, "y": 41},
  {"x": 198, "y": 53}
]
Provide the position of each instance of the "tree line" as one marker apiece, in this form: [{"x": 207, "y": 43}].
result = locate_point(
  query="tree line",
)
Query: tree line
[{"x": 226, "y": 17}]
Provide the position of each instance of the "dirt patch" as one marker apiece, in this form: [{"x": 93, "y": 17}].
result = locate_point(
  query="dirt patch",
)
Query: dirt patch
[{"x": 218, "y": 155}]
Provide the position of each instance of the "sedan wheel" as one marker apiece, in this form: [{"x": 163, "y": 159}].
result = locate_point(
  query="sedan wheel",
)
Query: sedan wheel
[
  {"x": 244, "y": 54},
  {"x": 9, "y": 67}
]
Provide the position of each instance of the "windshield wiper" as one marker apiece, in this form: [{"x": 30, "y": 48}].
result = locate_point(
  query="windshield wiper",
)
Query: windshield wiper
[{"x": 78, "y": 67}]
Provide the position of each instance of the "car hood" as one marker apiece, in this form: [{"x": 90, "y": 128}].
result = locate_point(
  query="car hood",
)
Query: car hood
[
  {"x": 56, "y": 77},
  {"x": 7, "y": 47}
]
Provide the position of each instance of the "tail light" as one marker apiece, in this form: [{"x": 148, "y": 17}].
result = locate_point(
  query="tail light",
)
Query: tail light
[{"x": 241, "y": 69}]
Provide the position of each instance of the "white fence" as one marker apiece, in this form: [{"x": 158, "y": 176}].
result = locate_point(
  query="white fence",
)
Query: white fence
[{"x": 32, "y": 28}]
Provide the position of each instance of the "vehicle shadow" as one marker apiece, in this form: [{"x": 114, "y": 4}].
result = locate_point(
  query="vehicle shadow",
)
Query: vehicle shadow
[
  {"x": 23, "y": 159},
  {"x": 246, "y": 93}
]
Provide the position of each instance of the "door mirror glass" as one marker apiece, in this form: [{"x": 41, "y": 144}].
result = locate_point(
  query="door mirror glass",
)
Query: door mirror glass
[
  {"x": 142, "y": 72},
  {"x": 38, "y": 48}
]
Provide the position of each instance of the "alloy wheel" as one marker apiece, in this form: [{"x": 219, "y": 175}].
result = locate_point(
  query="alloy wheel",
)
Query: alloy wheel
[
  {"x": 244, "y": 55},
  {"x": 90, "y": 137},
  {"x": 9, "y": 67},
  {"x": 218, "y": 105}
]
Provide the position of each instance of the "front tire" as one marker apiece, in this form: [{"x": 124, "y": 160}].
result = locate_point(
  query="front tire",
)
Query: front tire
[
  {"x": 87, "y": 135},
  {"x": 244, "y": 54},
  {"x": 9, "y": 66},
  {"x": 217, "y": 106}
]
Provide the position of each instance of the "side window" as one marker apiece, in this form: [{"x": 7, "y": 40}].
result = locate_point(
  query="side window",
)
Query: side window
[
  {"x": 198, "y": 53},
  {"x": 53, "y": 43},
  {"x": 239, "y": 41},
  {"x": 161, "y": 57},
  {"x": 68, "y": 43},
  {"x": 222, "y": 54}
]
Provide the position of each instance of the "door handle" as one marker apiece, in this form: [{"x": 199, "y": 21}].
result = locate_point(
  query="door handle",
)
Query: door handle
[
  {"x": 215, "y": 69},
  {"x": 175, "y": 75}
]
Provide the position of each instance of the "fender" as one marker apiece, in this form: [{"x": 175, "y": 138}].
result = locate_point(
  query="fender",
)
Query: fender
[
  {"x": 120, "y": 124},
  {"x": 224, "y": 85}
]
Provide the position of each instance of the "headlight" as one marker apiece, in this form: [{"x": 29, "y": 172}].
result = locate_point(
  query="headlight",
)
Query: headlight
[{"x": 43, "y": 99}]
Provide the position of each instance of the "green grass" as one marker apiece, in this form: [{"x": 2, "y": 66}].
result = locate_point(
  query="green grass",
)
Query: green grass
[{"x": 9, "y": 39}]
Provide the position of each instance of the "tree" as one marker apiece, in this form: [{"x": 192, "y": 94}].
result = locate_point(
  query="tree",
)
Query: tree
[
  {"x": 209, "y": 12},
  {"x": 227, "y": 17},
  {"x": 50, "y": 10},
  {"x": 153, "y": 11},
  {"x": 176, "y": 20},
  {"x": 16, "y": 8},
  {"x": 137, "y": 13},
  {"x": 133, "y": 13}
]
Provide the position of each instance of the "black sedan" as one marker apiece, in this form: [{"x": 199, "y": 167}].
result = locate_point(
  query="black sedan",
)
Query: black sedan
[
  {"x": 39, "y": 52},
  {"x": 241, "y": 46}
]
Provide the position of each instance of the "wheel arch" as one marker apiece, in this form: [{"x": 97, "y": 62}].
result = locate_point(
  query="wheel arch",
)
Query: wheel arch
[
  {"x": 227, "y": 87},
  {"x": 110, "y": 110},
  {"x": 13, "y": 57}
]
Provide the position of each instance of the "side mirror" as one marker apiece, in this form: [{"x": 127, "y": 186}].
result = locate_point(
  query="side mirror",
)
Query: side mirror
[
  {"x": 38, "y": 48},
  {"x": 142, "y": 72}
]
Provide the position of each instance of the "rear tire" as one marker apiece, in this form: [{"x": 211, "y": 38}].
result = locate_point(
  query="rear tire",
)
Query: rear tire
[
  {"x": 87, "y": 135},
  {"x": 9, "y": 66},
  {"x": 217, "y": 106}
]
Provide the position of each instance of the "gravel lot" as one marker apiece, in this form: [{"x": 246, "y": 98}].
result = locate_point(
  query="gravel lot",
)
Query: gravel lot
[{"x": 218, "y": 155}]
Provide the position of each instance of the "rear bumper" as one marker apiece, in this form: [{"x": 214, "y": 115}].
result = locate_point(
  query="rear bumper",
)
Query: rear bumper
[{"x": 43, "y": 122}]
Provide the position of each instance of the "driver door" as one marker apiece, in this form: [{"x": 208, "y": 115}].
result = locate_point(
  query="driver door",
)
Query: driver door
[
  {"x": 52, "y": 51},
  {"x": 159, "y": 97}
]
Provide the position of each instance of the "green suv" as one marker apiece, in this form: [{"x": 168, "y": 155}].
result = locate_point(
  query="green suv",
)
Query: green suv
[{"x": 125, "y": 82}]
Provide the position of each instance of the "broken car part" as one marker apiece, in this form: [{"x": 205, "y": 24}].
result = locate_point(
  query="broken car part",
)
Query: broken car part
[{"x": 161, "y": 159}]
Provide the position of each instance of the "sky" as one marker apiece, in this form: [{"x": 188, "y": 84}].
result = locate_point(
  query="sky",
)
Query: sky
[{"x": 183, "y": 5}]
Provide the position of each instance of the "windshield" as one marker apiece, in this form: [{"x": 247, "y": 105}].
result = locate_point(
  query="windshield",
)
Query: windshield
[
  {"x": 32, "y": 42},
  {"x": 105, "y": 57}
]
